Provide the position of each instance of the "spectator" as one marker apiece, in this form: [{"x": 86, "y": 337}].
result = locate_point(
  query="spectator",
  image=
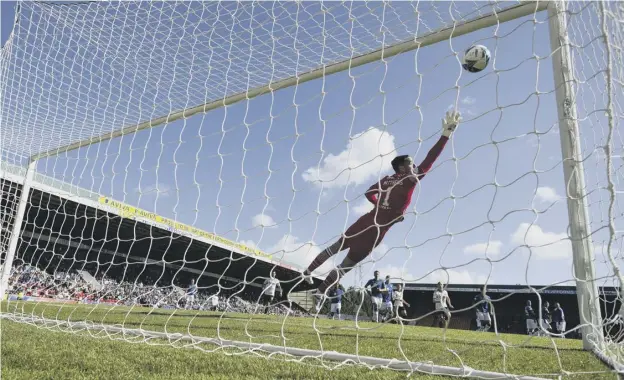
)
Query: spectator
[{"x": 26, "y": 280}]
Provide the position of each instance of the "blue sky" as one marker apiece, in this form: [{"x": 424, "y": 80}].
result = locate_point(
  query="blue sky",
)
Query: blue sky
[{"x": 286, "y": 171}]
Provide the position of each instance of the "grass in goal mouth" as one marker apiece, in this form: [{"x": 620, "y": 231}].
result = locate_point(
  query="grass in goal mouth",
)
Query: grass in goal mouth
[{"x": 506, "y": 353}]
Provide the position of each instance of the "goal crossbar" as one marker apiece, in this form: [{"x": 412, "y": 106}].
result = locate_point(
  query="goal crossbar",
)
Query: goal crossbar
[
  {"x": 395, "y": 364},
  {"x": 455, "y": 30}
]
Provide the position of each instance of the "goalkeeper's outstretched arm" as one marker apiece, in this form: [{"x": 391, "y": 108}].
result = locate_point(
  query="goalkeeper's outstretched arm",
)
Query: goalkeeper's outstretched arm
[{"x": 449, "y": 123}]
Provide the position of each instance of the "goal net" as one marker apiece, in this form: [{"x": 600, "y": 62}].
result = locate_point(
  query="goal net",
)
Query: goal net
[{"x": 162, "y": 162}]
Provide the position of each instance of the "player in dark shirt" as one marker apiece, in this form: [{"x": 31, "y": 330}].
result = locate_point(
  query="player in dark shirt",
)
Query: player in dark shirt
[
  {"x": 531, "y": 319},
  {"x": 390, "y": 197},
  {"x": 377, "y": 288},
  {"x": 558, "y": 318},
  {"x": 335, "y": 295},
  {"x": 546, "y": 318},
  {"x": 482, "y": 302}
]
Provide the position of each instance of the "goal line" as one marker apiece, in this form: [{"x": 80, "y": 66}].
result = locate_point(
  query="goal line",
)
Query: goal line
[{"x": 271, "y": 350}]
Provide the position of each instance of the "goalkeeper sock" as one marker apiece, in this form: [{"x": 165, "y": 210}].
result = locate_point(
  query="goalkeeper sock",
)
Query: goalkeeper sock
[
  {"x": 319, "y": 260},
  {"x": 331, "y": 278}
]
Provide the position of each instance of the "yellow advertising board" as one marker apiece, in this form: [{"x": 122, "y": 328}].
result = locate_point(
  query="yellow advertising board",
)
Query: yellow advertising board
[{"x": 130, "y": 212}]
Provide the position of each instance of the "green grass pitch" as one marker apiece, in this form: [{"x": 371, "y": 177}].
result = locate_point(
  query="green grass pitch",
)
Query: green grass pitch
[{"x": 29, "y": 352}]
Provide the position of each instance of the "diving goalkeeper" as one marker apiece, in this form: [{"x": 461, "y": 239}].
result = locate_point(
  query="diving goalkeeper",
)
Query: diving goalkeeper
[{"x": 390, "y": 197}]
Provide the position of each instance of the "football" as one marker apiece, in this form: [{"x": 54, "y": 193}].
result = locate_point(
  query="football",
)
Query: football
[{"x": 476, "y": 58}]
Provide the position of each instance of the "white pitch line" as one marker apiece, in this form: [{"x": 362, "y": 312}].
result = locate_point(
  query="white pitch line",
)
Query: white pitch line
[{"x": 395, "y": 364}]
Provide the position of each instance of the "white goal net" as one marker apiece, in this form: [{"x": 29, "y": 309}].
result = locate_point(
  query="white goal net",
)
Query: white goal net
[{"x": 167, "y": 161}]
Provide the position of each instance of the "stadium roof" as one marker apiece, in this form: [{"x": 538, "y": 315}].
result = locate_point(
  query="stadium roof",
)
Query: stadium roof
[{"x": 64, "y": 214}]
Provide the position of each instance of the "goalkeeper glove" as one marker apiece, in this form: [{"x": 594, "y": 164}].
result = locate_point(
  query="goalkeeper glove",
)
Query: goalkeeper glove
[{"x": 450, "y": 122}]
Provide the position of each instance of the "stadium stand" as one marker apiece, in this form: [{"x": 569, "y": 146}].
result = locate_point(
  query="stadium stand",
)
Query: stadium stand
[
  {"x": 111, "y": 252},
  {"x": 508, "y": 302},
  {"x": 72, "y": 230}
]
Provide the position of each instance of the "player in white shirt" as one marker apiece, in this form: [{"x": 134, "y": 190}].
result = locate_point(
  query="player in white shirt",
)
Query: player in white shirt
[
  {"x": 270, "y": 287},
  {"x": 213, "y": 302},
  {"x": 442, "y": 302},
  {"x": 399, "y": 303}
]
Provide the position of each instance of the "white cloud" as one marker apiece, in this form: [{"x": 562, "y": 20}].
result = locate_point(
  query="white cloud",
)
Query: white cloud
[
  {"x": 380, "y": 251},
  {"x": 161, "y": 189},
  {"x": 547, "y": 194},
  {"x": 362, "y": 207},
  {"x": 544, "y": 245},
  {"x": 249, "y": 243},
  {"x": 366, "y": 154},
  {"x": 263, "y": 220},
  {"x": 291, "y": 250},
  {"x": 466, "y": 110},
  {"x": 491, "y": 249},
  {"x": 468, "y": 100}
]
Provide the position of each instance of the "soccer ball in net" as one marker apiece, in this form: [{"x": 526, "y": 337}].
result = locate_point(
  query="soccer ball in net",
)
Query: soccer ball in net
[{"x": 476, "y": 58}]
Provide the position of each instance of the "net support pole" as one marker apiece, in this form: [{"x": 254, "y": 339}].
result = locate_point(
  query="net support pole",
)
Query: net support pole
[
  {"x": 574, "y": 176},
  {"x": 17, "y": 228}
]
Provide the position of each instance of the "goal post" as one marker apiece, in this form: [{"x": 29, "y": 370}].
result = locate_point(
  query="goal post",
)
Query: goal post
[
  {"x": 16, "y": 229},
  {"x": 264, "y": 123},
  {"x": 574, "y": 176}
]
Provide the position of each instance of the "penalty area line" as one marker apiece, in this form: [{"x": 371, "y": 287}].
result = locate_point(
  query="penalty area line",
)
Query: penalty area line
[{"x": 333, "y": 356}]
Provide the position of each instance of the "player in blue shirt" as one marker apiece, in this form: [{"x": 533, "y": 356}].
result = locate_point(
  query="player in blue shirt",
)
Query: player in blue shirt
[
  {"x": 482, "y": 306},
  {"x": 376, "y": 288},
  {"x": 387, "y": 299},
  {"x": 335, "y": 296},
  {"x": 190, "y": 295}
]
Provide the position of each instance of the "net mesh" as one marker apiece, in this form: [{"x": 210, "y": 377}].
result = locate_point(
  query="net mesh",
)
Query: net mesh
[
  {"x": 597, "y": 40},
  {"x": 225, "y": 197}
]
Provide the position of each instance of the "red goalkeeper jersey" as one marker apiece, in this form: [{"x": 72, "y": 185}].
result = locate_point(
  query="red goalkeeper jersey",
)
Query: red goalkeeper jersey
[{"x": 393, "y": 194}]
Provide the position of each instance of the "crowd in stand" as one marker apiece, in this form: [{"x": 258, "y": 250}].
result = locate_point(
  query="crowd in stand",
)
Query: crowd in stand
[
  {"x": 157, "y": 288},
  {"x": 30, "y": 281}
]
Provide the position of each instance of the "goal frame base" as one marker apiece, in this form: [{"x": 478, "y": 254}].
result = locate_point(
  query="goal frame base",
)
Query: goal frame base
[{"x": 271, "y": 350}]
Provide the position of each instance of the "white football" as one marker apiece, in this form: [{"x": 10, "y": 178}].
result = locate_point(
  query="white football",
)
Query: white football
[{"x": 476, "y": 58}]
